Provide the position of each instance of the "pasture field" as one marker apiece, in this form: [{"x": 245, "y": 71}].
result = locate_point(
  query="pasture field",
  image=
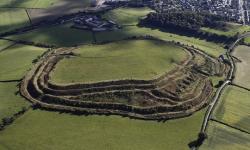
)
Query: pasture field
[
  {"x": 16, "y": 60},
  {"x": 12, "y": 19},
  {"x": 242, "y": 76},
  {"x": 233, "y": 108},
  {"x": 41, "y": 130},
  {"x": 208, "y": 47},
  {"x": 120, "y": 15},
  {"x": 4, "y": 44},
  {"x": 28, "y": 3},
  {"x": 59, "y": 8},
  {"x": 10, "y": 102},
  {"x": 129, "y": 59},
  {"x": 127, "y": 16},
  {"x": 231, "y": 29},
  {"x": 221, "y": 137},
  {"x": 247, "y": 40},
  {"x": 61, "y": 35}
]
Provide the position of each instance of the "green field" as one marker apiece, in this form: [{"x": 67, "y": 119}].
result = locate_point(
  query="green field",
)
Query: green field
[
  {"x": 231, "y": 29},
  {"x": 221, "y": 137},
  {"x": 4, "y": 44},
  {"x": 16, "y": 60},
  {"x": 39, "y": 3},
  {"x": 209, "y": 47},
  {"x": 247, "y": 40},
  {"x": 28, "y": 3},
  {"x": 136, "y": 59},
  {"x": 61, "y": 35},
  {"x": 121, "y": 16},
  {"x": 40, "y": 130},
  {"x": 127, "y": 16},
  {"x": 242, "y": 76},
  {"x": 10, "y": 103},
  {"x": 233, "y": 108},
  {"x": 12, "y": 19}
]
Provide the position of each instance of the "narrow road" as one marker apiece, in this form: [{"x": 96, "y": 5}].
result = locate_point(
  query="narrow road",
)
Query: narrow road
[{"x": 220, "y": 90}]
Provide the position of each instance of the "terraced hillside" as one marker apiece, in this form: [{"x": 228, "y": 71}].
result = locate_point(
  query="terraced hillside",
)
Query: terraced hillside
[{"x": 177, "y": 93}]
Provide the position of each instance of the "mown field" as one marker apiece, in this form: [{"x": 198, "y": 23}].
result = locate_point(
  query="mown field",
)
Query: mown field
[
  {"x": 242, "y": 76},
  {"x": 41, "y": 130},
  {"x": 130, "y": 59},
  {"x": 10, "y": 101},
  {"x": 16, "y": 60},
  {"x": 233, "y": 108},
  {"x": 12, "y": 19},
  {"x": 231, "y": 29},
  {"x": 61, "y": 35},
  {"x": 221, "y": 137}
]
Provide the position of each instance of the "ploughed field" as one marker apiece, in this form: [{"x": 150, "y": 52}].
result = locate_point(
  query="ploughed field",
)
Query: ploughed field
[{"x": 142, "y": 77}]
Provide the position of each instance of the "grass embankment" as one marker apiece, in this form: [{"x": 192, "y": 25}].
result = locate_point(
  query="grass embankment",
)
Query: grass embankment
[
  {"x": 242, "y": 76},
  {"x": 12, "y": 19},
  {"x": 41, "y": 130},
  {"x": 221, "y": 137},
  {"x": 233, "y": 108},
  {"x": 130, "y": 59},
  {"x": 10, "y": 101},
  {"x": 231, "y": 29},
  {"x": 61, "y": 35},
  {"x": 16, "y": 60}
]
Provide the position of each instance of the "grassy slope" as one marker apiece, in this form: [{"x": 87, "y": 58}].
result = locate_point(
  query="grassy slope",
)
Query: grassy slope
[
  {"x": 221, "y": 137},
  {"x": 41, "y": 130},
  {"x": 4, "y": 44},
  {"x": 12, "y": 19},
  {"x": 61, "y": 35},
  {"x": 233, "y": 108},
  {"x": 231, "y": 29},
  {"x": 242, "y": 76},
  {"x": 16, "y": 60},
  {"x": 127, "y": 16},
  {"x": 209, "y": 47},
  {"x": 139, "y": 59},
  {"x": 118, "y": 15},
  {"x": 10, "y": 103}
]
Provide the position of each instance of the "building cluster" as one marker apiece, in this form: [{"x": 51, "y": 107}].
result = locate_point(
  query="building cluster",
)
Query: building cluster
[
  {"x": 94, "y": 23},
  {"x": 236, "y": 10}
]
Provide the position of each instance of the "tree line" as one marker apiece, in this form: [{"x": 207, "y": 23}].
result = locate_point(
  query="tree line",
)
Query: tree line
[{"x": 187, "y": 23}]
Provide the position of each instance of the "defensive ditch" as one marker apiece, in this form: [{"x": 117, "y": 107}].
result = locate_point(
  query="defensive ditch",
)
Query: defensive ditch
[{"x": 175, "y": 94}]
